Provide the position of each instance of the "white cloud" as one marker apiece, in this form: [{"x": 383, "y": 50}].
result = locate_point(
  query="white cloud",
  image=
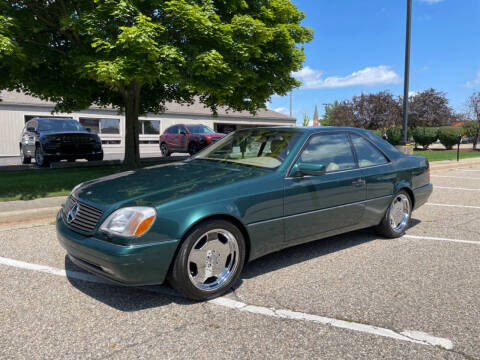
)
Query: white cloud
[
  {"x": 282, "y": 110},
  {"x": 431, "y": 1},
  {"x": 412, "y": 93},
  {"x": 473, "y": 82},
  {"x": 370, "y": 76}
]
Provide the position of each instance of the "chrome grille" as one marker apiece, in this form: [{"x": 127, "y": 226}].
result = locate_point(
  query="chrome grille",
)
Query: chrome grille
[{"x": 86, "y": 217}]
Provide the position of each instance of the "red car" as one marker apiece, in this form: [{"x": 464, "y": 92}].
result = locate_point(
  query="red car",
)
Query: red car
[{"x": 187, "y": 138}]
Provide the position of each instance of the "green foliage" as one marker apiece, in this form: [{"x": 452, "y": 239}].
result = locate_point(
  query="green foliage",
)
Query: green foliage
[
  {"x": 328, "y": 112},
  {"x": 306, "y": 120},
  {"x": 470, "y": 128},
  {"x": 425, "y": 136},
  {"x": 394, "y": 135},
  {"x": 135, "y": 55},
  {"x": 448, "y": 135}
]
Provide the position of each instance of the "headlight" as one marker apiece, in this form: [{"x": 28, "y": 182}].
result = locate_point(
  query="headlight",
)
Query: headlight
[{"x": 129, "y": 221}]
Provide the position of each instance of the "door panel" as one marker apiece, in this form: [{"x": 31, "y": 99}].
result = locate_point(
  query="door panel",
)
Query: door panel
[
  {"x": 380, "y": 176},
  {"x": 319, "y": 204}
]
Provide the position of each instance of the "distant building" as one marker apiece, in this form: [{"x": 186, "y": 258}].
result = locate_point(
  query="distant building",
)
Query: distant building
[{"x": 17, "y": 108}]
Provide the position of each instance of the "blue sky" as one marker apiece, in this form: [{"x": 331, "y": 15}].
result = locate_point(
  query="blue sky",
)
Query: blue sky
[{"x": 359, "y": 47}]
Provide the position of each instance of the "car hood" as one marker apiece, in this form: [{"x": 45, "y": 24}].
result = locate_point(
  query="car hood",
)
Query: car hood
[{"x": 162, "y": 183}]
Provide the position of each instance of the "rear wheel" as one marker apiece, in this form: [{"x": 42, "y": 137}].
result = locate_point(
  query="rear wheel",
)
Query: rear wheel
[
  {"x": 40, "y": 157},
  {"x": 209, "y": 261},
  {"x": 397, "y": 217},
  {"x": 164, "y": 149},
  {"x": 23, "y": 158}
]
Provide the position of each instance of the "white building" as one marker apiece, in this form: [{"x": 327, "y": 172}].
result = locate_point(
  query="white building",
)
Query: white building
[{"x": 17, "y": 108}]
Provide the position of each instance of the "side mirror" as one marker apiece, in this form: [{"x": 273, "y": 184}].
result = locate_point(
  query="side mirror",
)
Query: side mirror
[
  {"x": 183, "y": 133},
  {"x": 310, "y": 169},
  {"x": 31, "y": 128},
  {"x": 88, "y": 129}
]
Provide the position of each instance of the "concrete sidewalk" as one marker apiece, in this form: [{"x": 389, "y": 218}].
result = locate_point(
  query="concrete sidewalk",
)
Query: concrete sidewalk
[
  {"x": 453, "y": 164},
  {"x": 20, "y": 213}
]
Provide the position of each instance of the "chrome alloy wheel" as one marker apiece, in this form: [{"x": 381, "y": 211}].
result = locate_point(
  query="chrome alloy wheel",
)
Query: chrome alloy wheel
[
  {"x": 213, "y": 259},
  {"x": 399, "y": 212}
]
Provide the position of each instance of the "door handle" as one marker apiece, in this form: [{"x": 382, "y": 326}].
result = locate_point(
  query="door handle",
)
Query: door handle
[{"x": 358, "y": 183}]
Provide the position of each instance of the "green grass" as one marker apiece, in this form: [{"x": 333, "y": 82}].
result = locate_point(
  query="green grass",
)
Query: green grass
[
  {"x": 439, "y": 155},
  {"x": 33, "y": 184}
]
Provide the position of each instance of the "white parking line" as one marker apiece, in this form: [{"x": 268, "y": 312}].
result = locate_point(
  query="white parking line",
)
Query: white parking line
[
  {"x": 456, "y": 206},
  {"x": 455, "y": 177},
  {"x": 441, "y": 239},
  {"x": 416, "y": 337},
  {"x": 455, "y": 188},
  {"x": 469, "y": 170}
]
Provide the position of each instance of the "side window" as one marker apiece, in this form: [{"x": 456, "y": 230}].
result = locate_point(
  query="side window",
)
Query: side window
[
  {"x": 367, "y": 154},
  {"x": 181, "y": 129},
  {"x": 331, "y": 150}
]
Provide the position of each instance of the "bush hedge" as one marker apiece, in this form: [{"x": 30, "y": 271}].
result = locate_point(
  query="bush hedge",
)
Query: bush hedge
[
  {"x": 425, "y": 136},
  {"x": 448, "y": 135}
]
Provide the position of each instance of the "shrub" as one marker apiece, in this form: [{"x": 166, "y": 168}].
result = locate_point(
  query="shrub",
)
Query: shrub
[
  {"x": 425, "y": 136},
  {"x": 395, "y": 135},
  {"x": 448, "y": 135},
  {"x": 378, "y": 132}
]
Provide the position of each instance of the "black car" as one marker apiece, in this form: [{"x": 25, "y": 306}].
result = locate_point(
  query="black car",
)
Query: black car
[{"x": 54, "y": 139}]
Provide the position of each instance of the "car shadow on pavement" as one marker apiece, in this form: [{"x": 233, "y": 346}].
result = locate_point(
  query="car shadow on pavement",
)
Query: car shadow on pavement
[
  {"x": 123, "y": 298},
  {"x": 304, "y": 252}
]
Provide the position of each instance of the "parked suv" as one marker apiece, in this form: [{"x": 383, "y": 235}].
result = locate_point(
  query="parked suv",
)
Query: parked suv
[
  {"x": 187, "y": 138},
  {"x": 54, "y": 139}
]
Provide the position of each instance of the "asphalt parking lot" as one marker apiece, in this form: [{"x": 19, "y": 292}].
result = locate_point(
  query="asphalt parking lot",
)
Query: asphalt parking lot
[{"x": 355, "y": 296}]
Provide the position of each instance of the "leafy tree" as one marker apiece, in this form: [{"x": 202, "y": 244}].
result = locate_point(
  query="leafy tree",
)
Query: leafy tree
[
  {"x": 306, "y": 120},
  {"x": 341, "y": 114},
  {"x": 327, "y": 116},
  {"x": 376, "y": 111},
  {"x": 429, "y": 108},
  {"x": 473, "y": 128},
  {"x": 136, "y": 55}
]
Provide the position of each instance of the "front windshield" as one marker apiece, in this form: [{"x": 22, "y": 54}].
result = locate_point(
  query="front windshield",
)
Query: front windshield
[
  {"x": 59, "y": 125},
  {"x": 199, "y": 129},
  {"x": 265, "y": 148}
]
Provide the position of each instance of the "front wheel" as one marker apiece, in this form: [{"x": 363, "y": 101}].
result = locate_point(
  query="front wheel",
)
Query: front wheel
[
  {"x": 23, "y": 158},
  {"x": 40, "y": 157},
  {"x": 209, "y": 261},
  {"x": 397, "y": 217}
]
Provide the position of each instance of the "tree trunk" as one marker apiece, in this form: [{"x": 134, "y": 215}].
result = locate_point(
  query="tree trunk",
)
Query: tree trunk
[{"x": 131, "y": 97}]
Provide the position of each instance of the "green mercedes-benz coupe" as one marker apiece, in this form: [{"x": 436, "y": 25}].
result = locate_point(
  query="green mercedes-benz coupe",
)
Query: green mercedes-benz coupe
[{"x": 196, "y": 222}]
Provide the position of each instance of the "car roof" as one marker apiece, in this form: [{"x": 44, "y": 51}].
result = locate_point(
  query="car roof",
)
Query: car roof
[{"x": 313, "y": 129}]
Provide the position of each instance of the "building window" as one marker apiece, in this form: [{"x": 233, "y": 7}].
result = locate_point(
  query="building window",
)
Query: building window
[
  {"x": 149, "y": 127},
  {"x": 101, "y": 125},
  {"x": 111, "y": 142},
  {"x": 27, "y": 118}
]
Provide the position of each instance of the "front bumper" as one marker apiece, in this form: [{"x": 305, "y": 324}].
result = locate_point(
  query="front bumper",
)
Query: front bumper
[
  {"x": 134, "y": 265},
  {"x": 422, "y": 194}
]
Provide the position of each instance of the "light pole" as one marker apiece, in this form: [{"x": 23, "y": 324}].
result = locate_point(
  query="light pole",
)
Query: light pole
[
  {"x": 407, "y": 72},
  {"x": 291, "y": 103}
]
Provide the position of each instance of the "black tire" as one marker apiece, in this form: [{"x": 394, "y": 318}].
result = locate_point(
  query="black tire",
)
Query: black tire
[
  {"x": 386, "y": 227},
  {"x": 23, "y": 158},
  {"x": 40, "y": 159},
  {"x": 192, "y": 148},
  {"x": 182, "y": 271},
  {"x": 164, "y": 149}
]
